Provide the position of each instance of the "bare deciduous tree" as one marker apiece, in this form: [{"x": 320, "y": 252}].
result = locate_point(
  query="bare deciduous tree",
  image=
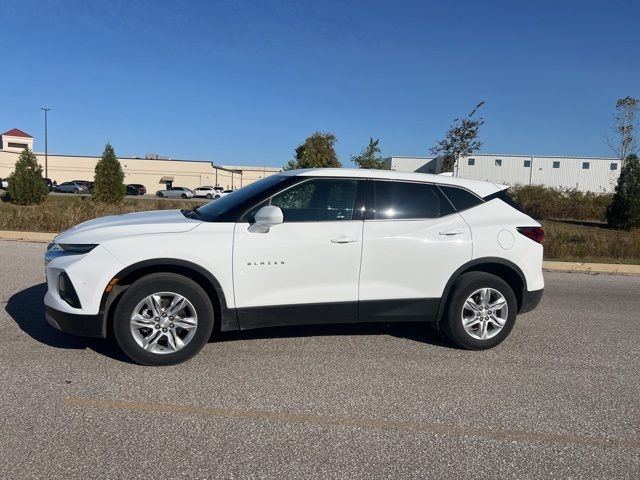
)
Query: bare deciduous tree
[{"x": 624, "y": 143}]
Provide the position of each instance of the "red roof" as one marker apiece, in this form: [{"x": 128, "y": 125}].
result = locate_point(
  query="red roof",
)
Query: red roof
[{"x": 16, "y": 132}]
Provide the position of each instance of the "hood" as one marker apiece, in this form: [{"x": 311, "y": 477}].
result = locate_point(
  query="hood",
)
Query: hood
[{"x": 138, "y": 223}]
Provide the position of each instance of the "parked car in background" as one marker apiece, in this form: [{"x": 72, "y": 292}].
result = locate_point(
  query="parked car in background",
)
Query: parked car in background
[
  {"x": 50, "y": 185},
  {"x": 175, "y": 192},
  {"x": 142, "y": 190},
  {"x": 131, "y": 190},
  {"x": 382, "y": 246},
  {"x": 207, "y": 192},
  {"x": 71, "y": 187},
  {"x": 88, "y": 185},
  {"x": 4, "y": 183},
  {"x": 223, "y": 193}
]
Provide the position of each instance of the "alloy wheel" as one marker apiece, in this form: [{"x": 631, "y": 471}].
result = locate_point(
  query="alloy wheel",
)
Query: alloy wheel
[
  {"x": 163, "y": 322},
  {"x": 484, "y": 313}
]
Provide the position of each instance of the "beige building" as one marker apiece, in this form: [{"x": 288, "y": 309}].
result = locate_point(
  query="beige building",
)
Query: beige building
[{"x": 152, "y": 173}]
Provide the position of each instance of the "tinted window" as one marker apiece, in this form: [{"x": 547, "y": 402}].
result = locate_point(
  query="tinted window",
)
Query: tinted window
[
  {"x": 400, "y": 200},
  {"x": 527, "y": 163},
  {"x": 472, "y": 161},
  {"x": 318, "y": 200},
  {"x": 585, "y": 165},
  {"x": 613, "y": 166},
  {"x": 505, "y": 197},
  {"x": 556, "y": 164},
  {"x": 460, "y": 198}
]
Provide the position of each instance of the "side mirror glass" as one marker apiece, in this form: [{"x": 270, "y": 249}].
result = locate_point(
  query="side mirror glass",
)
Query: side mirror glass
[{"x": 265, "y": 218}]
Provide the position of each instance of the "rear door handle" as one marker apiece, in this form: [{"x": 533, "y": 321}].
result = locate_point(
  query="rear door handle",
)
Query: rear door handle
[
  {"x": 343, "y": 239},
  {"x": 451, "y": 232}
]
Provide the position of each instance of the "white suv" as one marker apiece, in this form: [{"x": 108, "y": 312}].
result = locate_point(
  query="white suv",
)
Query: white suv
[{"x": 301, "y": 247}]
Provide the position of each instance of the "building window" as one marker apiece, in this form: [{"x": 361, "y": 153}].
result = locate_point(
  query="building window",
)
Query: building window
[
  {"x": 472, "y": 161},
  {"x": 527, "y": 164},
  {"x": 613, "y": 166},
  {"x": 585, "y": 165},
  {"x": 556, "y": 164},
  {"x": 17, "y": 145},
  {"x": 498, "y": 162}
]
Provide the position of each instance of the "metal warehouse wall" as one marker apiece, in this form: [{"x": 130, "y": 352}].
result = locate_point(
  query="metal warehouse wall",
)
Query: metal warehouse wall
[{"x": 597, "y": 178}]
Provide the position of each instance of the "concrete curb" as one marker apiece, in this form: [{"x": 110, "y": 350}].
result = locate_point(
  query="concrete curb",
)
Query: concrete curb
[
  {"x": 42, "y": 237},
  {"x": 611, "y": 268}
]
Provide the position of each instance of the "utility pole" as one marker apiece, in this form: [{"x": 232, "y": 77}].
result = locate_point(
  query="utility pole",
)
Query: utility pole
[{"x": 46, "y": 159}]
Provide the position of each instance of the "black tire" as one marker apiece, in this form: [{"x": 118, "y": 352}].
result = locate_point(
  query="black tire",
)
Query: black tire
[
  {"x": 209, "y": 196},
  {"x": 184, "y": 195},
  {"x": 160, "y": 194},
  {"x": 162, "y": 282},
  {"x": 76, "y": 191},
  {"x": 217, "y": 197},
  {"x": 464, "y": 286}
]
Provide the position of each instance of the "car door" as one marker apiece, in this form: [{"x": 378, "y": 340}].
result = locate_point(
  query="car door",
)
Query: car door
[
  {"x": 413, "y": 241},
  {"x": 304, "y": 270}
]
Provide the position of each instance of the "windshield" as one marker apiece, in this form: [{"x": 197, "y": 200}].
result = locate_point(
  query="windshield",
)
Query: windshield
[{"x": 212, "y": 210}]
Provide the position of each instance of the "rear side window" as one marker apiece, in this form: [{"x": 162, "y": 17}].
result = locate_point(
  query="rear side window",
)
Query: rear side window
[
  {"x": 460, "y": 198},
  {"x": 402, "y": 201},
  {"x": 505, "y": 197}
]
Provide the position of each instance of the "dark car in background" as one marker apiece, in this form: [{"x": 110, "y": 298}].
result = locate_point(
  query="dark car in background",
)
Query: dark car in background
[
  {"x": 142, "y": 190},
  {"x": 131, "y": 190}
]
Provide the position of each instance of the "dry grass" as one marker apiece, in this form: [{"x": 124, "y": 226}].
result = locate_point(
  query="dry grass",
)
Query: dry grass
[
  {"x": 58, "y": 213},
  {"x": 561, "y": 204},
  {"x": 580, "y": 242}
]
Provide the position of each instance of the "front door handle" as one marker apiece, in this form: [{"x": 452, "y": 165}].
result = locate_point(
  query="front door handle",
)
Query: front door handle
[
  {"x": 451, "y": 232},
  {"x": 343, "y": 239}
]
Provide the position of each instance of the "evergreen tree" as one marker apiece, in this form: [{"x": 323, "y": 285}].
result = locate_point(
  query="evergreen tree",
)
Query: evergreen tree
[
  {"x": 108, "y": 183},
  {"x": 316, "y": 152},
  {"x": 369, "y": 157},
  {"x": 26, "y": 185},
  {"x": 624, "y": 210}
]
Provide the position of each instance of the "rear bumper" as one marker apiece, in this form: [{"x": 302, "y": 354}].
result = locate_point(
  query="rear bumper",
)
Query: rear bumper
[
  {"x": 530, "y": 300},
  {"x": 81, "y": 325}
]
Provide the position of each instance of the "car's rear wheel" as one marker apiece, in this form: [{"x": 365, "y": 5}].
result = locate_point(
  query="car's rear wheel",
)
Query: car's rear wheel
[
  {"x": 481, "y": 311},
  {"x": 217, "y": 197},
  {"x": 160, "y": 194},
  {"x": 163, "y": 319},
  {"x": 184, "y": 195},
  {"x": 209, "y": 196}
]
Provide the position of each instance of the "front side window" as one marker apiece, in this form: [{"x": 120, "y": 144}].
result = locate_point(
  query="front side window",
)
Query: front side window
[
  {"x": 318, "y": 200},
  {"x": 403, "y": 201}
]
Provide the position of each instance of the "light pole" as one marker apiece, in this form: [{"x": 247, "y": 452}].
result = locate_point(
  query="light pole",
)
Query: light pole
[{"x": 46, "y": 159}]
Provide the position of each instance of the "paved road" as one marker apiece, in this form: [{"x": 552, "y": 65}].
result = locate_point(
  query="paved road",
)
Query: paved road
[{"x": 558, "y": 399}]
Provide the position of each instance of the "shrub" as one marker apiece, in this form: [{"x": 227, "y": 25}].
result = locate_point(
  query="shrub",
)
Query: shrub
[
  {"x": 108, "y": 183},
  {"x": 26, "y": 186},
  {"x": 562, "y": 204},
  {"x": 624, "y": 210}
]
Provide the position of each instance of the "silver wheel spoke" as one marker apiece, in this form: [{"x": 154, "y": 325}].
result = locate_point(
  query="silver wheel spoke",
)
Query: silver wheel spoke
[
  {"x": 177, "y": 304},
  {"x": 484, "y": 297},
  {"x": 497, "y": 321},
  {"x": 151, "y": 340},
  {"x": 471, "y": 322},
  {"x": 185, "y": 323},
  {"x": 174, "y": 341},
  {"x": 142, "y": 321},
  {"x": 498, "y": 304},
  {"x": 472, "y": 305},
  {"x": 483, "y": 331}
]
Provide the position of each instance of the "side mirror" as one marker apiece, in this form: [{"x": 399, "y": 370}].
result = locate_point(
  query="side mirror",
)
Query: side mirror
[{"x": 265, "y": 218}]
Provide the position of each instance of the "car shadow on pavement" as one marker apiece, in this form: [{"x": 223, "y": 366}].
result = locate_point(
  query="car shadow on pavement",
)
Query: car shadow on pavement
[
  {"x": 27, "y": 310},
  {"x": 416, "y": 331}
]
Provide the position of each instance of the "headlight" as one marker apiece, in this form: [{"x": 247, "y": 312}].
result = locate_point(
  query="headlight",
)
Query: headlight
[{"x": 71, "y": 248}]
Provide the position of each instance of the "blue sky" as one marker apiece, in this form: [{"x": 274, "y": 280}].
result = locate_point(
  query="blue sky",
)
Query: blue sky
[{"x": 244, "y": 82}]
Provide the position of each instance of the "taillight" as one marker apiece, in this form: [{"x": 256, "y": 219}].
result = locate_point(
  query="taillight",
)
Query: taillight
[{"x": 534, "y": 233}]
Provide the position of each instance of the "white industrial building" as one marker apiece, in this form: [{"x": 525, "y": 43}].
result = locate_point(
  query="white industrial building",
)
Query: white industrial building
[{"x": 594, "y": 174}]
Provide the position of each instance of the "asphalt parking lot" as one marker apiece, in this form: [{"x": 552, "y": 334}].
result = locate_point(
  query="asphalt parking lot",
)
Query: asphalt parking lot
[{"x": 558, "y": 399}]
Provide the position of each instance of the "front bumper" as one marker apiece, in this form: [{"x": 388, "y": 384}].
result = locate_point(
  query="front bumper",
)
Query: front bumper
[
  {"x": 530, "y": 300},
  {"x": 75, "y": 324}
]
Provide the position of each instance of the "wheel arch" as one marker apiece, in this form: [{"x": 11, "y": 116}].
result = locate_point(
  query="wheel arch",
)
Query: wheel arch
[
  {"x": 500, "y": 267},
  {"x": 210, "y": 284}
]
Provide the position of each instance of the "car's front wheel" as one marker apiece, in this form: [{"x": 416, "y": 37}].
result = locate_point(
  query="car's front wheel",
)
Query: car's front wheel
[
  {"x": 163, "y": 319},
  {"x": 481, "y": 311},
  {"x": 209, "y": 196},
  {"x": 184, "y": 195}
]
